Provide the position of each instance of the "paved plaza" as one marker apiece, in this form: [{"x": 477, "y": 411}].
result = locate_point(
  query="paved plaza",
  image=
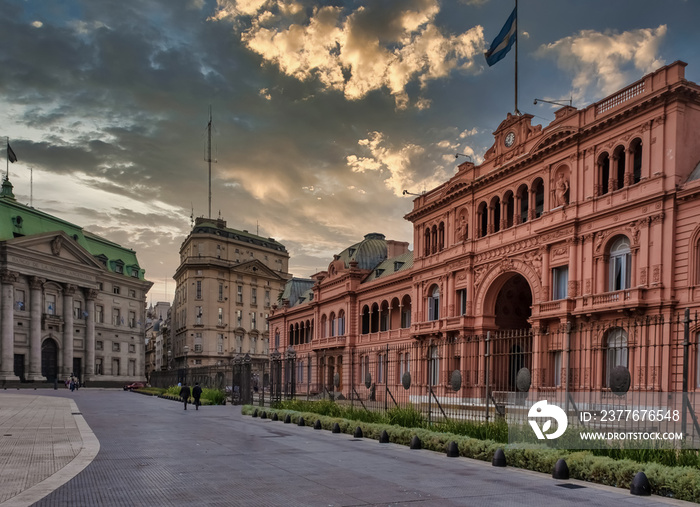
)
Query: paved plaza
[{"x": 115, "y": 448}]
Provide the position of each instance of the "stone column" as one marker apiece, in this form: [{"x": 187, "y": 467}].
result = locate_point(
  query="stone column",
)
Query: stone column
[
  {"x": 546, "y": 294},
  {"x": 68, "y": 293},
  {"x": 7, "y": 359},
  {"x": 36, "y": 285},
  {"x": 532, "y": 206},
  {"x": 612, "y": 173},
  {"x": 517, "y": 219},
  {"x": 573, "y": 268},
  {"x": 90, "y": 296}
]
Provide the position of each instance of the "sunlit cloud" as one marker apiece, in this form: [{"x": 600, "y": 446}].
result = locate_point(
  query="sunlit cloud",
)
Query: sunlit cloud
[
  {"x": 606, "y": 61},
  {"x": 377, "y": 46}
]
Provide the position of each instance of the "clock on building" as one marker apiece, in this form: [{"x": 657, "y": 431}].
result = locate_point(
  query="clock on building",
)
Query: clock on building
[{"x": 509, "y": 139}]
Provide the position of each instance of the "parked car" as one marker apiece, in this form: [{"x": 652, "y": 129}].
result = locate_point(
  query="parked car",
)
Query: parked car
[{"x": 134, "y": 385}]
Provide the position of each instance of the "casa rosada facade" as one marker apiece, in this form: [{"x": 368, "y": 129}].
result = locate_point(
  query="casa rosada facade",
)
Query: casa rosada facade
[{"x": 590, "y": 220}]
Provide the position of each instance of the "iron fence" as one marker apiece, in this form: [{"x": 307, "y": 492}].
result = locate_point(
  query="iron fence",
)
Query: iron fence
[{"x": 486, "y": 377}]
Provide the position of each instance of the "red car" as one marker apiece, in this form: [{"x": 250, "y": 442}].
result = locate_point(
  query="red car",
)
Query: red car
[{"x": 134, "y": 385}]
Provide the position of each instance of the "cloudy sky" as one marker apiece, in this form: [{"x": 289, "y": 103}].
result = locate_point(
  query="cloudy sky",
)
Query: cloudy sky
[{"x": 324, "y": 112}]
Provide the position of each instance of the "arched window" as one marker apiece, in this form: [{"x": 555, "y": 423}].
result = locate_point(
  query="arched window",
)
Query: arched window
[
  {"x": 636, "y": 155},
  {"x": 603, "y": 174},
  {"x": 538, "y": 186},
  {"x": 374, "y": 319},
  {"x": 510, "y": 209},
  {"x": 324, "y": 326},
  {"x": 434, "y": 304},
  {"x": 524, "y": 203},
  {"x": 434, "y": 367},
  {"x": 332, "y": 320},
  {"x": 341, "y": 323},
  {"x": 427, "y": 241},
  {"x": 365, "y": 319},
  {"x": 496, "y": 205},
  {"x": 406, "y": 312},
  {"x": 384, "y": 317},
  {"x": 620, "y": 161},
  {"x": 615, "y": 351},
  {"x": 620, "y": 264},
  {"x": 433, "y": 240},
  {"x": 441, "y": 236},
  {"x": 277, "y": 338},
  {"x": 482, "y": 214}
]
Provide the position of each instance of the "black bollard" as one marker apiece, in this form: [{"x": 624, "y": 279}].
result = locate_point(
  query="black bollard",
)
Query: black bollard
[
  {"x": 358, "y": 432},
  {"x": 255, "y": 413},
  {"x": 317, "y": 425},
  {"x": 640, "y": 485},
  {"x": 336, "y": 428},
  {"x": 301, "y": 422},
  {"x": 561, "y": 470},
  {"x": 287, "y": 419},
  {"x": 499, "y": 458},
  {"x": 452, "y": 450},
  {"x": 384, "y": 437},
  {"x": 275, "y": 417},
  {"x": 416, "y": 443}
]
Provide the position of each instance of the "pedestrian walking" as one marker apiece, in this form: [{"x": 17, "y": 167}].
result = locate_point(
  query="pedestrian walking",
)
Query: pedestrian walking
[
  {"x": 185, "y": 393},
  {"x": 196, "y": 394}
]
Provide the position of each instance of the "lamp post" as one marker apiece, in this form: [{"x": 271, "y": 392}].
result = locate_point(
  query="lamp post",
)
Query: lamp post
[{"x": 186, "y": 349}]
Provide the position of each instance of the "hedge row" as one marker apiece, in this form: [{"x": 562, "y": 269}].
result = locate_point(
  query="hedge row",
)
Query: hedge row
[{"x": 682, "y": 483}]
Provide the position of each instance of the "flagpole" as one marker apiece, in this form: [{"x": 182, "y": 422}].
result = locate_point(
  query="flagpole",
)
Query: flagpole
[
  {"x": 516, "y": 57},
  {"x": 7, "y": 161}
]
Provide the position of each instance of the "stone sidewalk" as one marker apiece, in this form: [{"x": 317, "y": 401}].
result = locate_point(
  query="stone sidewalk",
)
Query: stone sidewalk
[
  {"x": 153, "y": 453},
  {"x": 44, "y": 442}
]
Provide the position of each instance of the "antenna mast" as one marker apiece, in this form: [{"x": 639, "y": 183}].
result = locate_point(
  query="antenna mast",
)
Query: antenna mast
[{"x": 209, "y": 156}]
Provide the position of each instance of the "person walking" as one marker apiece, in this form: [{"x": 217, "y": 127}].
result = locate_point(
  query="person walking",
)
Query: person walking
[
  {"x": 196, "y": 394},
  {"x": 185, "y": 393}
]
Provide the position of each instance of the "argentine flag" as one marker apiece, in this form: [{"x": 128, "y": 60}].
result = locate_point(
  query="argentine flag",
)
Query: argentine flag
[{"x": 504, "y": 41}]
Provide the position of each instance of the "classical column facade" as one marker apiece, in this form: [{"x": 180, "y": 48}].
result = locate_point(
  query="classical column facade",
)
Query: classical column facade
[
  {"x": 7, "y": 368},
  {"x": 68, "y": 293},
  {"x": 36, "y": 285},
  {"x": 90, "y": 296}
]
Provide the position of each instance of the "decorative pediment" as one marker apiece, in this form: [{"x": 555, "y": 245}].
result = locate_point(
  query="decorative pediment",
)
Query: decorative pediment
[
  {"x": 553, "y": 136},
  {"x": 56, "y": 246},
  {"x": 256, "y": 268}
]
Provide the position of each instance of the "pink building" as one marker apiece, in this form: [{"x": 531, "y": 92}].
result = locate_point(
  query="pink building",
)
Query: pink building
[{"x": 572, "y": 247}]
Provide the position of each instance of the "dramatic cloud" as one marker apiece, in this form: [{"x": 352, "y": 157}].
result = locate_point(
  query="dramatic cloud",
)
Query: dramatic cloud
[
  {"x": 383, "y": 45},
  {"x": 603, "y": 59}
]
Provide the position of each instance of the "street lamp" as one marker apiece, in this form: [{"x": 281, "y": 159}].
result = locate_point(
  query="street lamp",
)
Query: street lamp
[{"x": 186, "y": 349}]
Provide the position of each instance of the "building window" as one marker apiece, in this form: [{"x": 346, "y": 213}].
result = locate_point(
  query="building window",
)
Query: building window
[
  {"x": 135, "y": 272},
  {"x": 98, "y": 365},
  {"x": 132, "y": 319},
  {"x": 221, "y": 292},
  {"x": 267, "y": 298},
  {"x": 116, "y": 317},
  {"x": 19, "y": 300},
  {"x": 99, "y": 314},
  {"x": 197, "y": 315},
  {"x": 253, "y": 296},
  {"x": 239, "y": 318},
  {"x": 253, "y": 322},
  {"x": 115, "y": 347},
  {"x": 434, "y": 304},
  {"x": 50, "y": 302},
  {"x": 220, "y": 318},
  {"x": 557, "y": 368},
  {"x": 77, "y": 310},
  {"x": 119, "y": 268},
  {"x": 132, "y": 348},
  {"x": 560, "y": 282},
  {"x": 115, "y": 367},
  {"x": 267, "y": 322},
  {"x": 277, "y": 339},
  {"x": 132, "y": 293},
  {"x": 365, "y": 368},
  {"x": 98, "y": 345},
  {"x": 198, "y": 294},
  {"x": 341, "y": 323},
  {"x": 620, "y": 264},
  {"x": 239, "y": 295},
  {"x": 462, "y": 299},
  {"x": 615, "y": 351},
  {"x": 300, "y": 371},
  {"x": 332, "y": 324},
  {"x": 220, "y": 344},
  {"x": 116, "y": 290},
  {"x": 198, "y": 343}
]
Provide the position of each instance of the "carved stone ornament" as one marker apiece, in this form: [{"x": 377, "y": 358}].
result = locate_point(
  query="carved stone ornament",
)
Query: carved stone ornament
[
  {"x": 406, "y": 380},
  {"x": 368, "y": 380},
  {"x": 336, "y": 380},
  {"x": 56, "y": 245},
  {"x": 523, "y": 380},
  {"x": 620, "y": 380},
  {"x": 456, "y": 380}
]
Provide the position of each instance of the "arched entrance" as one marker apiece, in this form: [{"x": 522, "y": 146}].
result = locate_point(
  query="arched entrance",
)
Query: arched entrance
[
  {"x": 49, "y": 359},
  {"x": 514, "y": 303},
  {"x": 512, "y": 345}
]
